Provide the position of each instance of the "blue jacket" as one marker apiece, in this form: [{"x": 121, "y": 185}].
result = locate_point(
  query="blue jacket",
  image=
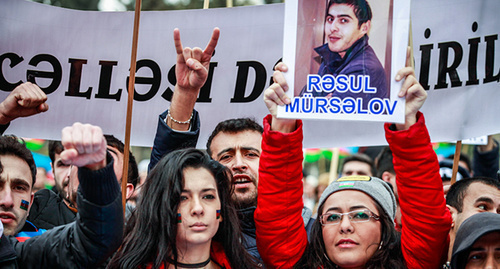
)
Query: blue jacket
[{"x": 360, "y": 59}]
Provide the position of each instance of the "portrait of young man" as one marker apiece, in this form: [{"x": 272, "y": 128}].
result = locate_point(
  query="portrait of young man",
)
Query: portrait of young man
[{"x": 345, "y": 53}]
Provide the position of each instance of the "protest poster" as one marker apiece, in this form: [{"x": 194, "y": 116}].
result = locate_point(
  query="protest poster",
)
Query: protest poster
[{"x": 343, "y": 59}]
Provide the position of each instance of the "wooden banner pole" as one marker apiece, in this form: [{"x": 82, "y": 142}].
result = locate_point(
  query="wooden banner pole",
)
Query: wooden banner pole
[
  {"x": 131, "y": 84},
  {"x": 456, "y": 159}
]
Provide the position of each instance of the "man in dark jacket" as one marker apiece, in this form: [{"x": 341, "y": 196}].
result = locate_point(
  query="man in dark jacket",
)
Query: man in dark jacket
[
  {"x": 85, "y": 243},
  {"x": 50, "y": 209}
]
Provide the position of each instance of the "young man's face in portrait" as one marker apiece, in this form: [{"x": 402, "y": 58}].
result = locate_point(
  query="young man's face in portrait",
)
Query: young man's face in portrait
[{"x": 342, "y": 29}]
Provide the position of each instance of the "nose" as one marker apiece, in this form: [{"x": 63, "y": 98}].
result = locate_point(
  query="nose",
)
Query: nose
[
  {"x": 492, "y": 262},
  {"x": 196, "y": 207},
  {"x": 239, "y": 163},
  {"x": 346, "y": 225},
  {"x": 333, "y": 26},
  {"x": 6, "y": 200}
]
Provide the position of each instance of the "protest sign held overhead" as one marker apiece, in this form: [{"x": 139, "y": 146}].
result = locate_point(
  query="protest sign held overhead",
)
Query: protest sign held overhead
[{"x": 343, "y": 59}]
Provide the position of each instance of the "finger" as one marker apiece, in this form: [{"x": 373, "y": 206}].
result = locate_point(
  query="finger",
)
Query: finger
[
  {"x": 42, "y": 97},
  {"x": 87, "y": 139},
  {"x": 78, "y": 137},
  {"x": 177, "y": 41},
  {"x": 407, "y": 83},
  {"x": 187, "y": 53},
  {"x": 42, "y": 108},
  {"x": 280, "y": 80},
  {"x": 36, "y": 93},
  {"x": 408, "y": 57},
  {"x": 197, "y": 53},
  {"x": 209, "y": 50},
  {"x": 68, "y": 156},
  {"x": 194, "y": 65},
  {"x": 97, "y": 139},
  {"x": 403, "y": 72},
  {"x": 277, "y": 94},
  {"x": 25, "y": 96},
  {"x": 67, "y": 137},
  {"x": 281, "y": 67},
  {"x": 34, "y": 96},
  {"x": 416, "y": 90}
]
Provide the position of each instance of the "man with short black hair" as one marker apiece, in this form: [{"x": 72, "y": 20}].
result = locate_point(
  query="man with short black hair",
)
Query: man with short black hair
[
  {"x": 358, "y": 164},
  {"x": 471, "y": 196},
  {"x": 347, "y": 52},
  {"x": 51, "y": 209},
  {"x": 81, "y": 244}
]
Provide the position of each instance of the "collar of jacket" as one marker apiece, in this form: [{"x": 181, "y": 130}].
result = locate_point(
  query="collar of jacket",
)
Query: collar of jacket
[
  {"x": 330, "y": 58},
  {"x": 246, "y": 218}
]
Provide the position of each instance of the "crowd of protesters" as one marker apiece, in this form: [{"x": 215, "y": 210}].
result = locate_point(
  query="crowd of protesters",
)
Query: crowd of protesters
[{"x": 240, "y": 203}]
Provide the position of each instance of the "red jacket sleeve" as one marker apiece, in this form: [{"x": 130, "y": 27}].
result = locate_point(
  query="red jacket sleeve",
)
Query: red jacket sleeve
[
  {"x": 281, "y": 236},
  {"x": 425, "y": 219}
]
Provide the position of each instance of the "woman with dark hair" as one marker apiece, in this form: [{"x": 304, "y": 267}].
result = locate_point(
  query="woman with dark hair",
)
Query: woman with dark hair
[
  {"x": 355, "y": 227},
  {"x": 184, "y": 218}
]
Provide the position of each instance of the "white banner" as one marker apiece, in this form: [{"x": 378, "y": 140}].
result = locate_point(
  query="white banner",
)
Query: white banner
[{"x": 81, "y": 59}]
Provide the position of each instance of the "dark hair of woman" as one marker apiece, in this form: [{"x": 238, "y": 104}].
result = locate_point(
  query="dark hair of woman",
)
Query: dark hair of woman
[
  {"x": 388, "y": 256},
  {"x": 150, "y": 234}
]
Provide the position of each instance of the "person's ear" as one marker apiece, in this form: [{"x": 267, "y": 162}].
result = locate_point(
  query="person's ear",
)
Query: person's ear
[
  {"x": 130, "y": 190},
  {"x": 454, "y": 213},
  {"x": 365, "y": 27},
  {"x": 386, "y": 176}
]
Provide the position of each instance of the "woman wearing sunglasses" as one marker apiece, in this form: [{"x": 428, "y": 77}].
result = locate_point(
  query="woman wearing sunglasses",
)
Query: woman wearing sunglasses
[{"x": 355, "y": 227}]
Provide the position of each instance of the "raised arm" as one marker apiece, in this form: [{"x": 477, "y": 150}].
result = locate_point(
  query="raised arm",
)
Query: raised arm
[
  {"x": 425, "y": 219},
  {"x": 98, "y": 229},
  {"x": 281, "y": 236},
  {"x": 25, "y": 100},
  {"x": 179, "y": 126}
]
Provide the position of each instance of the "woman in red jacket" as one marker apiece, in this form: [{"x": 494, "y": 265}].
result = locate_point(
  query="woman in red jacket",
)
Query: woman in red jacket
[
  {"x": 185, "y": 218},
  {"x": 355, "y": 227}
]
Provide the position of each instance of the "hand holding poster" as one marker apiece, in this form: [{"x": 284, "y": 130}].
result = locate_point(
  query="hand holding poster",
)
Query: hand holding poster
[{"x": 336, "y": 70}]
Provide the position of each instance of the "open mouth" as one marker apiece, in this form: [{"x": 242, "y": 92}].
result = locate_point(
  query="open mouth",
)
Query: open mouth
[
  {"x": 241, "y": 179},
  {"x": 7, "y": 218}
]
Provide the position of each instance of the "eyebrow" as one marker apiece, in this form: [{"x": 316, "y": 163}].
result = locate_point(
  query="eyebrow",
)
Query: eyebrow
[
  {"x": 484, "y": 199},
  {"x": 340, "y": 16},
  {"x": 203, "y": 190},
  {"x": 233, "y": 149},
  {"x": 21, "y": 181},
  {"x": 352, "y": 208}
]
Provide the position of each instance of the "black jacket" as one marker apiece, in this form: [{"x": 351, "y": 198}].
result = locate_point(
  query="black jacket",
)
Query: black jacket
[
  {"x": 85, "y": 243},
  {"x": 48, "y": 210}
]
